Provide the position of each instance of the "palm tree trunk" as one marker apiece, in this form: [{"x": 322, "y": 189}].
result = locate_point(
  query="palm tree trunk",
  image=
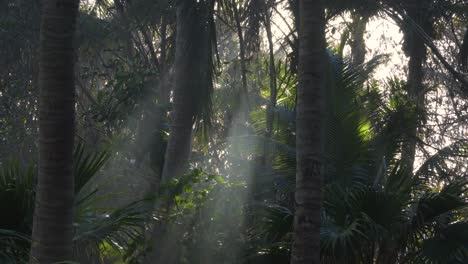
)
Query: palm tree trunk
[
  {"x": 184, "y": 105},
  {"x": 53, "y": 216},
  {"x": 309, "y": 133},
  {"x": 416, "y": 51},
  {"x": 191, "y": 72}
]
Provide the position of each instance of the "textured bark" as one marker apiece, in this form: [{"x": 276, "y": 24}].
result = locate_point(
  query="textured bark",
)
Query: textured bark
[
  {"x": 191, "y": 69},
  {"x": 358, "y": 45},
  {"x": 417, "y": 53},
  {"x": 184, "y": 105},
  {"x": 53, "y": 216},
  {"x": 309, "y": 133}
]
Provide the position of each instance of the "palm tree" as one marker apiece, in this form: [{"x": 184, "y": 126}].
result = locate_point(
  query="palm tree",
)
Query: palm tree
[
  {"x": 373, "y": 210},
  {"x": 53, "y": 215},
  {"x": 95, "y": 226},
  {"x": 273, "y": 84},
  {"x": 192, "y": 90},
  {"x": 191, "y": 103},
  {"x": 415, "y": 49},
  {"x": 309, "y": 139},
  {"x": 244, "y": 101}
]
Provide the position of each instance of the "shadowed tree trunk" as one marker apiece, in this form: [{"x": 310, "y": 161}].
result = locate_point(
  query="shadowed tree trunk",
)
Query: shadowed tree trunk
[
  {"x": 415, "y": 49},
  {"x": 192, "y": 75},
  {"x": 464, "y": 52},
  {"x": 358, "y": 45},
  {"x": 129, "y": 47},
  {"x": 270, "y": 114},
  {"x": 53, "y": 216},
  {"x": 244, "y": 100},
  {"x": 272, "y": 75},
  {"x": 164, "y": 89},
  {"x": 190, "y": 71},
  {"x": 309, "y": 138}
]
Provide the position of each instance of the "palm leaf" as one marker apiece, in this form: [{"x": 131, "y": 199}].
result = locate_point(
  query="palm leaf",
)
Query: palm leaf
[
  {"x": 449, "y": 245},
  {"x": 86, "y": 165},
  {"x": 436, "y": 164}
]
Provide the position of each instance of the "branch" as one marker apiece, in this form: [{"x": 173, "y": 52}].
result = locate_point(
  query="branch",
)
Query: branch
[{"x": 428, "y": 41}]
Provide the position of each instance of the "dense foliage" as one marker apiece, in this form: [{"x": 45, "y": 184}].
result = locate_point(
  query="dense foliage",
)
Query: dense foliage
[{"x": 395, "y": 148}]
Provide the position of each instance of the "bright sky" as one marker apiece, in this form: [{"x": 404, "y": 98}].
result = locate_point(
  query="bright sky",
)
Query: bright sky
[{"x": 382, "y": 36}]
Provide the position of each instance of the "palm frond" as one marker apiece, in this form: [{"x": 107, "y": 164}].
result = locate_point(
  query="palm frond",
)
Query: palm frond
[
  {"x": 348, "y": 129},
  {"x": 14, "y": 247},
  {"x": 16, "y": 199},
  {"x": 86, "y": 165},
  {"x": 432, "y": 205},
  {"x": 449, "y": 245},
  {"x": 94, "y": 225},
  {"x": 436, "y": 164},
  {"x": 17, "y": 196},
  {"x": 118, "y": 228}
]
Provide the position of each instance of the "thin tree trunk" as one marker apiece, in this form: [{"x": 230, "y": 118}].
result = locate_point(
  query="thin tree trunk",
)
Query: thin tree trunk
[
  {"x": 129, "y": 48},
  {"x": 53, "y": 216},
  {"x": 148, "y": 39},
  {"x": 164, "y": 88},
  {"x": 244, "y": 99},
  {"x": 464, "y": 52},
  {"x": 273, "y": 94},
  {"x": 309, "y": 133},
  {"x": 272, "y": 75}
]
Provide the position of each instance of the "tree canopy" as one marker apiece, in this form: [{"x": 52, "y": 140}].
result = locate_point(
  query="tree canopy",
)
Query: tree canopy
[{"x": 234, "y": 131}]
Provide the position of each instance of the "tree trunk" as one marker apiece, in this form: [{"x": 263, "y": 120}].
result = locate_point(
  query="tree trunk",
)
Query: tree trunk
[
  {"x": 272, "y": 75},
  {"x": 184, "y": 105},
  {"x": 415, "y": 49},
  {"x": 53, "y": 216},
  {"x": 388, "y": 252},
  {"x": 191, "y": 70},
  {"x": 244, "y": 99},
  {"x": 309, "y": 133},
  {"x": 129, "y": 47},
  {"x": 270, "y": 114},
  {"x": 358, "y": 45},
  {"x": 463, "y": 57},
  {"x": 164, "y": 88}
]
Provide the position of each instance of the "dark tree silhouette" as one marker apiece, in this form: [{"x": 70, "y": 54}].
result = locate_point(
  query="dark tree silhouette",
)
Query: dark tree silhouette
[
  {"x": 309, "y": 138},
  {"x": 53, "y": 215}
]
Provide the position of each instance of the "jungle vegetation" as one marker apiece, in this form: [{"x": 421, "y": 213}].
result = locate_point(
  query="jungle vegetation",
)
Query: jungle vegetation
[{"x": 234, "y": 131}]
